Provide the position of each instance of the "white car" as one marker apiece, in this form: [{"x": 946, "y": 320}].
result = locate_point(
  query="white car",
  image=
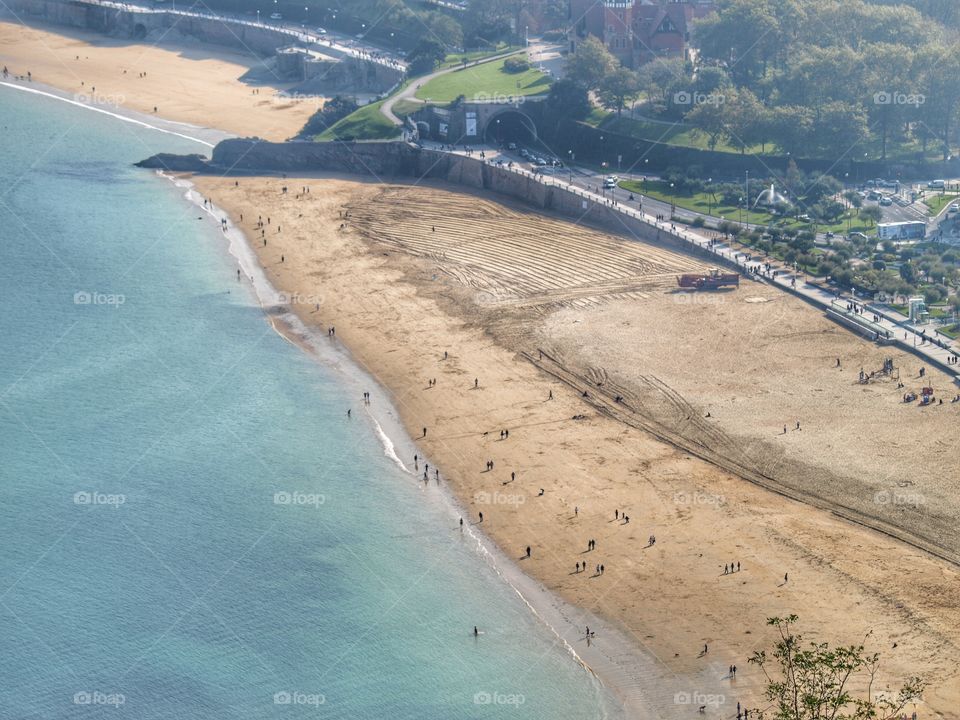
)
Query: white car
[
  {"x": 610, "y": 183},
  {"x": 276, "y": 16}
]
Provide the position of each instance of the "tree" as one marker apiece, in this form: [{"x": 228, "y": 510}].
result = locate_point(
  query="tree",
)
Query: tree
[
  {"x": 746, "y": 118},
  {"x": 815, "y": 681},
  {"x": 333, "y": 110},
  {"x": 425, "y": 56},
  {"x": 707, "y": 118},
  {"x": 566, "y": 101},
  {"x": 617, "y": 87},
  {"x": 590, "y": 64},
  {"x": 871, "y": 213}
]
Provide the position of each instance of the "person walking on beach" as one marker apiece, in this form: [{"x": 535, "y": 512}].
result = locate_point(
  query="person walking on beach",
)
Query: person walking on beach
[
  {"x": 785, "y": 577},
  {"x": 528, "y": 551},
  {"x": 481, "y": 516},
  {"x": 475, "y": 631},
  {"x": 476, "y": 383}
]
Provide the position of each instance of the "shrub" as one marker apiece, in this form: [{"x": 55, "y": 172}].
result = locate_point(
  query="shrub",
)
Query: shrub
[
  {"x": 334, "y": 109},
  {"x": 516, "y": 65}
]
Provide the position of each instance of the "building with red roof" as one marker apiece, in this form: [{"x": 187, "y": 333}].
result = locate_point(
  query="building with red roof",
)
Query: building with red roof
[{"x": 637, "y": 31}]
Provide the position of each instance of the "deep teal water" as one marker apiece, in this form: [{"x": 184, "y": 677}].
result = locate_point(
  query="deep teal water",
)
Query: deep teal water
[{"x": 200, "y": 596}]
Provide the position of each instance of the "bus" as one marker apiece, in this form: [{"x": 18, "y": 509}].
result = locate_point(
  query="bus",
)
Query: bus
[{"x": 911, "y": 230}]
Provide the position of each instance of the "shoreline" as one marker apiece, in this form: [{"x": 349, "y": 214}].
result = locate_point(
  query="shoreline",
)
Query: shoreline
[
  {"x": 627, "y": 633},
  {"x": 206, "y": 93},
  {"x": 556, "y": 614},
  {"x": 394, "y": 322},
  {"x": 202, "y": 135}
]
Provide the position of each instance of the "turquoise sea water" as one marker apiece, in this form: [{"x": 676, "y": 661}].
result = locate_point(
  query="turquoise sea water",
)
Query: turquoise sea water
[{"x": 152, "y": 425}]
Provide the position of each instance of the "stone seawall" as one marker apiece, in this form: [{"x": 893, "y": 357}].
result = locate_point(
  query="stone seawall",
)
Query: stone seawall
[{"x": 403, "y": 162}]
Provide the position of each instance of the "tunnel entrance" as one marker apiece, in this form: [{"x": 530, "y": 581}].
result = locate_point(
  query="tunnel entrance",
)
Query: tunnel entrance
[
  {"x": 511, "y": 126},
  {"x": 139, "y": 31}
]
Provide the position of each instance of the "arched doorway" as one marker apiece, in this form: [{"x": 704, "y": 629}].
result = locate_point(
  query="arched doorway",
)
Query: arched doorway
[
  {"x": 510, "y": 126},
  {"x": 139, "y": 31}
]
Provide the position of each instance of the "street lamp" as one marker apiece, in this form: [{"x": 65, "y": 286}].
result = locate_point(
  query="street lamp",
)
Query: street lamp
[{"x": 709, "y": 196}]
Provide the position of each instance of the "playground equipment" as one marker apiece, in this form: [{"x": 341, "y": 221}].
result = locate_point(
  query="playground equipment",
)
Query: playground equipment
[{"x": 708, "y": 281}]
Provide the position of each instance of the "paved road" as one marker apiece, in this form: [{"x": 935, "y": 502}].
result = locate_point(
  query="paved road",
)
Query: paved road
[
  {"x": 340, "y": 44},
  {"x": 409, "y": 92}
]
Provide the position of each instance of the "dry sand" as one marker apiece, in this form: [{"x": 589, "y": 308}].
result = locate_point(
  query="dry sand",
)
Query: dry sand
[
  {"x": 193, "y": 84},
  {"x": 417, "y": 272}
]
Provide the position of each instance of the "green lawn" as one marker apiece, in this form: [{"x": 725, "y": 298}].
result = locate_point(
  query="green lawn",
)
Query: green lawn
[
  {"x": 484, "y": 81},
  {"x": 704, "y": 203},
  {"x": 937, "y": 202},
  {"x": 367, "y": 123},
  {"x": 457, "y": 58},
  {"x": 403, "y": 108}
]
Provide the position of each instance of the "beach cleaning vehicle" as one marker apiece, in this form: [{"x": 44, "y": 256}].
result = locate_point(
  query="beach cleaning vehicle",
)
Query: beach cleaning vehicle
[{"x": 708, "y": 281}]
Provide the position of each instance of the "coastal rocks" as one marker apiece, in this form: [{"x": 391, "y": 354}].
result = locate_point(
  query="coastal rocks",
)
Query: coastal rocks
[{"x": 175, "y": 163}]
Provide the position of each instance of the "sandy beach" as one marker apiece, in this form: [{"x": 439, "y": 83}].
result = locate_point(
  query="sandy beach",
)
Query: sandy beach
[
  {"x": 204, "y": 86},
  {"x": 415, "y": 273},
  {"x": 448, "y": 298}
]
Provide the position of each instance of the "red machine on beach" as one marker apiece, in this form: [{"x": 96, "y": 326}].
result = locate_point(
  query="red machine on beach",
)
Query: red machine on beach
[{"x": 709, "y": 281}]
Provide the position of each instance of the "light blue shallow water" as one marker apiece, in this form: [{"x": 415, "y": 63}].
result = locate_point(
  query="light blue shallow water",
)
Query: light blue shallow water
[{"x": 200, "y": 596}]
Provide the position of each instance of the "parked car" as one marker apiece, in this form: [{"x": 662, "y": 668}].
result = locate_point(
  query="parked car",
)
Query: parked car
[
  {"x": 936, "y": 184},
  {"x": 886, "y": 201},
  {"x": 511, "y": 146},
  {"x": 276, "y": 16},
  {"x": 954, "y": 208},
  {"x": 321, "y": 31}
]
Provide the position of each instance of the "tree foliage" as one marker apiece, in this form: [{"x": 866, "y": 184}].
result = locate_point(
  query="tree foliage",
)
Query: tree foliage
[{"x": 813, "y": 681}]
